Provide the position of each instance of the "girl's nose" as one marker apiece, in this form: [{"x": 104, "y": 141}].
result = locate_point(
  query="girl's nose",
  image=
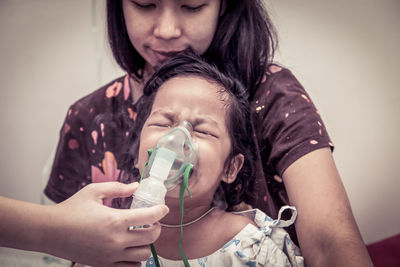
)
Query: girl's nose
[{"x": 167, "y": 26}]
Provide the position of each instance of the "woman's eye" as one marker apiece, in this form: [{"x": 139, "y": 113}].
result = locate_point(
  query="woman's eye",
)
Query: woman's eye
[
  {"x": 144, "y": 6},
  {"x": 193, "y": 8}
]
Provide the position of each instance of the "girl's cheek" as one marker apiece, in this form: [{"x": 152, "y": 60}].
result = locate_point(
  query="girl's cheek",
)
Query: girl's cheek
[
  {"x": 141, "y": 160},
  {"x": 152, "y": 137},
  {"x": 205, "y": 150}
]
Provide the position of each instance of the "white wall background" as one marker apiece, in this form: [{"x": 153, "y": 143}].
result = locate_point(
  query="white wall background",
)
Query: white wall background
[{"x": 345, "y": 53}]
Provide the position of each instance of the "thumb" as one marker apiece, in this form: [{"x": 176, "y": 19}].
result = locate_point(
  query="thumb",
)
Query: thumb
[
  {"x": 142, "y": 216},
  {"x": 114, "y": 189}
]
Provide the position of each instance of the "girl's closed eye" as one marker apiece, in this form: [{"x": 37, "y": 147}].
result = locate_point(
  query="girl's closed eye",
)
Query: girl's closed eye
[
  {"x": 205, "y": 132},
  {"x": 161, "y": 124}
]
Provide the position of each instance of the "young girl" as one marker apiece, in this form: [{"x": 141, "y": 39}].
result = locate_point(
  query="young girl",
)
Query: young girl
[
  {"x": 294, "y": 162},
  {"x": 216, "y": 109}
]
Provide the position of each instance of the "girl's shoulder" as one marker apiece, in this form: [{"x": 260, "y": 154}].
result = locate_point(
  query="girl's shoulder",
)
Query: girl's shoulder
[
  {"x": 236, "y": 222},
  {"x": 253, "y": 243},
  {"x": 267, "y": 243},
  {"x": 256, "y": 240},
  {"x": 224, "y": 226}
]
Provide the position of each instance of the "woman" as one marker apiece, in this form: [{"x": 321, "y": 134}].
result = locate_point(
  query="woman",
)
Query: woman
[{"x": 294, "y": 164}]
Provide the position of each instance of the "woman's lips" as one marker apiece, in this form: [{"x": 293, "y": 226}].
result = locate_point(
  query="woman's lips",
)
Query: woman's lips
[{"x": 162, "y": 56}]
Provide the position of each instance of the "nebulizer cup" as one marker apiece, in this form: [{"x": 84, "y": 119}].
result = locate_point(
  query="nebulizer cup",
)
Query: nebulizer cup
[{"x": 173, "y": 154}]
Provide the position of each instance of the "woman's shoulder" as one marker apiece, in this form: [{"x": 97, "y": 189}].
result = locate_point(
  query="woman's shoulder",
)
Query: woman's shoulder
[
  {"x": 108, "y": 99},
  {"x": 286, "y": 121},
  {"x": 117, "y": 88},
  {"x": 278, "y": 80}
]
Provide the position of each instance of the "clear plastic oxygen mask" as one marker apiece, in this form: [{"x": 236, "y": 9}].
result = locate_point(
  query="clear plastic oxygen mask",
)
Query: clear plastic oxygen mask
[{"x": 172, "y": 156}]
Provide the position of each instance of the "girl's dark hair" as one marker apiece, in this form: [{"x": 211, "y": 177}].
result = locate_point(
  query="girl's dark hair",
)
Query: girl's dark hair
[
  {"x": 235, "y": 100},
  {"x": 243, "y": 44}
]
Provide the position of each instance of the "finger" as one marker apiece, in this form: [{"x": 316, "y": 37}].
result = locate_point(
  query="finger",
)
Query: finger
[
  {"x": 144, "y": 216},
  {"x": 136, "y": 254},
  {"x": 127, "y": 264},
  {"x": 142, "y": 236},
  {"x": 114, "y": 189}
]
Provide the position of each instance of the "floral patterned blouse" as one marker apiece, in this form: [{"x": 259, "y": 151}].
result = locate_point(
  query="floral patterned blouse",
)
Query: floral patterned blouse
[{"x": 286, "y": 124}]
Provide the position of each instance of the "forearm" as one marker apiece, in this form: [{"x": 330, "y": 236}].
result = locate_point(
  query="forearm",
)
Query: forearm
[
  {"x": 81, "y": 228},
  {"x": 341, "y": 245},
  {"x": 326, "y": 229},
  {"x": 21, "y": 224}
]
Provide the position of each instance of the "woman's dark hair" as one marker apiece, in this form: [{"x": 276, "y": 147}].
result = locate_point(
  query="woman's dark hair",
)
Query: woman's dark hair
[
  {"x": 243, "y": 44},
  {"x": 237, "y": 107}
]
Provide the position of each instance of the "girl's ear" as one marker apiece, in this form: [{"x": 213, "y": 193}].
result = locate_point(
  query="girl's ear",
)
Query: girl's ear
[{"x": 234, "y": 168}]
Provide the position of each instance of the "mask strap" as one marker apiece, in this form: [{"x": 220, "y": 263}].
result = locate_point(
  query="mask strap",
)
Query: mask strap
[
  {"x": 184, "y": 187},
  {"x": 149, "y": 152}
]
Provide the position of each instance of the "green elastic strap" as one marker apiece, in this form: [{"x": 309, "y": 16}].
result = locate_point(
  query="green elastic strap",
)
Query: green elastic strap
[
  {"x": 152, "y": 248},
  {"x": 155, "y": 256},
  {"x": 184, "y": 187},
  {"x": 149, "y": 152}
]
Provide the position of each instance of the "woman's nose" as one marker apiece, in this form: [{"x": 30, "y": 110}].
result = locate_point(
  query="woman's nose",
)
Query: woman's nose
[{"x": 167, "y": 26}]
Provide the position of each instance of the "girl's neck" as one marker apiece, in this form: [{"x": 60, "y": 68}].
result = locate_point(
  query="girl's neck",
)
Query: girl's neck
[
  {"x": 167, "y": 244},
  {"x": 190, "y": 214}
]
